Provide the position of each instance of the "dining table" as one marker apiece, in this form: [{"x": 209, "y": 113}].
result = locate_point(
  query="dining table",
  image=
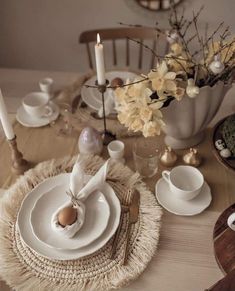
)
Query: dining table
[{"x": 184, "y": 259}]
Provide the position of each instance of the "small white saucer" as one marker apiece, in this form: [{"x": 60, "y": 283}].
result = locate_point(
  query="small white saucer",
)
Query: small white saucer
[
  {"x": 27, "y": 120},
  {"x": 181, "y": 207}
]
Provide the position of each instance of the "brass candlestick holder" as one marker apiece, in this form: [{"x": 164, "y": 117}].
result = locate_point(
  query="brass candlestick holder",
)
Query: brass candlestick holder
[
  {"x": 19, "y": 165},
  {"x": 106, "y": 135}
]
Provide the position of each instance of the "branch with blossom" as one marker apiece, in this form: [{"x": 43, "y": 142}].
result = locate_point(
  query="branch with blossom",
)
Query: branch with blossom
[{"x": 179, "y": 74}]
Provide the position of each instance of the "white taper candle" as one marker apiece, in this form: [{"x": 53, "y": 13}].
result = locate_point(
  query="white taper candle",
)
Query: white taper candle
[
  {"x": 99, "y": 58},
  {"x": 4, "y": 117}
]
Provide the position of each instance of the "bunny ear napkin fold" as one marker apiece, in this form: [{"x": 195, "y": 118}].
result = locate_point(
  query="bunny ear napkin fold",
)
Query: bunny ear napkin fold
[{"x": 80, "y": 187}]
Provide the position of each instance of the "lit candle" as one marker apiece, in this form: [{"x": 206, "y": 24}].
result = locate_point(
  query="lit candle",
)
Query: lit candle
[
  {"x": 99, "y": 57},
  {"x": 6, "y": 124}
]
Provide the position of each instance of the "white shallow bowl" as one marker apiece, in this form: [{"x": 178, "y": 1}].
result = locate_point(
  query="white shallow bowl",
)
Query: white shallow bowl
[
  {"x": 97, "y": 214},
  {"x": 182, "y": 207},
  {"x": 26, "y": 231},
  {"x": 92, "y": 97},
  {"x": 28, "y": 121}
]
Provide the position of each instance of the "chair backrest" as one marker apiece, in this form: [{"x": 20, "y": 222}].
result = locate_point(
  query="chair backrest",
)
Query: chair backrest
[{"x": 140, "y": 34}]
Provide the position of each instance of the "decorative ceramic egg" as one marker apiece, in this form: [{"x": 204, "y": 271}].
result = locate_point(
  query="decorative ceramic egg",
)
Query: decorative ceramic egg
[
  {"x": 225, "y": 153},
  {"x": 192, "y": 91},
  {"x": 90, "y": 141},
  {"x": 117, "y": 82},
  {"x": 172, "y": 37},
  {"x": 216, "y": 66},
  {"x": 67, "y": 216},
  {"x": 220, "y": 144}
]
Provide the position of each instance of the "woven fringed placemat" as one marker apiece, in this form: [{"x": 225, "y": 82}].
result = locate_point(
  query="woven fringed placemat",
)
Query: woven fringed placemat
[
  {"x": 24, "y": 269},
  {"x": 71, "y": 92}
]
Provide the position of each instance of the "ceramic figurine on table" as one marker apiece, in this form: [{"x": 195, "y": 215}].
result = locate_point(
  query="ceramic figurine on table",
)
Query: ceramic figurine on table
[
  {"x": 168, "y": 158},
  {"x": 192, "y": 158},
  {"x": 90, "y": 141}
]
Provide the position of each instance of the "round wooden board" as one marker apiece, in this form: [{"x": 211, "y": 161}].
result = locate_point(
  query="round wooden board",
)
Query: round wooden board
[
  {"x": 224, "y": 242},
  {"x": 230, "y": 162}
]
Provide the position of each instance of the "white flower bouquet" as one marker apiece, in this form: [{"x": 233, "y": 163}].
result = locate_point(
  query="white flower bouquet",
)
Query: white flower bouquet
[{"x": 179, "y": 74}]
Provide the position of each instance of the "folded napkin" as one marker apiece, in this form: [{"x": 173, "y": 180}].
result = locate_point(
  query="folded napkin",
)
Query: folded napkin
[
  {"x": 80, "y": 190},
  {"x": 109, "y": 104}
]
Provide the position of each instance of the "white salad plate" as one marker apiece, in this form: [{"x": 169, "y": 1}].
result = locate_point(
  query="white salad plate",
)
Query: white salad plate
[
  {"x": 182, "y": 207},
  {"x": 27, "y": 120},
  {"x": 97, "y": 214},
  {"x": 92, "y": 97},
  {"x": 26, "y": 231}
]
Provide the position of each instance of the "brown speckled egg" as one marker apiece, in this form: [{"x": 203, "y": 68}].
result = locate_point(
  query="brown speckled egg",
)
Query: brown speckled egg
[
  {"x": 67, "y": 216},
  {"x": 117, "y": 82}
]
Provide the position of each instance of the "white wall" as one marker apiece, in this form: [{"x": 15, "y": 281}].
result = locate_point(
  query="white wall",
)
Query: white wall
[{"x": 42, "y": 34}]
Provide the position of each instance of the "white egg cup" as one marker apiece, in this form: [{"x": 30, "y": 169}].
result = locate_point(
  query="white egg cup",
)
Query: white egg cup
[
  {"x": 47, "y": 86},
  {"x": 116, "y": 151}
]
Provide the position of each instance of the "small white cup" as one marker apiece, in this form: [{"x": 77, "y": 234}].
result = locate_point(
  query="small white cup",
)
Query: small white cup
[
  {"x": 116, "y": 150},
  {"x": 46, "y": 85},
  {"x": 231, "y": 221},
  {"x": 36, "y": 104},
  {"x": 185, "y": 182}
]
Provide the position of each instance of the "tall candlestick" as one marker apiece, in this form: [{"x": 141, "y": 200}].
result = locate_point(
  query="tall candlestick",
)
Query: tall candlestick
[
  {"x": 6, "y": 124},
  {"x": 99, "y": 57}
]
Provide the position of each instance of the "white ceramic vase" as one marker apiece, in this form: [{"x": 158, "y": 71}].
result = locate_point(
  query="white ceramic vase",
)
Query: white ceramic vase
[{"x": 187, "y": 119}]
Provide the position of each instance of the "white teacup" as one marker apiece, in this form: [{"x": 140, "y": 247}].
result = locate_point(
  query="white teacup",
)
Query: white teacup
[
  {"x": 185, "y": 182},
  {"x": 116, "y": 150},
  {"x": 36, "y": 104},
  {"x": 231, "y": 221},
  {"x": 47, "y": 86}
]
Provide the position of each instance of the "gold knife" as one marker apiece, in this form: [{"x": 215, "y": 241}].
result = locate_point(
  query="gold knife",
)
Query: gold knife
[{"x": 133, "y": 218}]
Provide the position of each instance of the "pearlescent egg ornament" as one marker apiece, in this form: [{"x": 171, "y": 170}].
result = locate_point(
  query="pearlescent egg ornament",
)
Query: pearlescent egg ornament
[
  {"x": 225, "y": 153},
  {"x": 216, "y": 66},
  {"x": 191, "y": 90},
  {"x": 220, "y": 144},
  {"x": 90, "y": 141}
]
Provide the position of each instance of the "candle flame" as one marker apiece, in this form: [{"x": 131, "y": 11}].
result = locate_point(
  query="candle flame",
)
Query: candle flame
[{"x": 98, "y": 38}]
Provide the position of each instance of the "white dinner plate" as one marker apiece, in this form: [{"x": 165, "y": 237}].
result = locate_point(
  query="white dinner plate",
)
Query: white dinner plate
[
  {"x": 97, "y": 214},
  {"x": 28, "y": 121},
  {"x": 92, "y": 97},
  {"x": 26, "y": 232},
  {"x": 182, "y": 207}
]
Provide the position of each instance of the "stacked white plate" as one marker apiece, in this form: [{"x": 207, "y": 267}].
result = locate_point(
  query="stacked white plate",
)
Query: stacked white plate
[{"x": 34, "y": 220}]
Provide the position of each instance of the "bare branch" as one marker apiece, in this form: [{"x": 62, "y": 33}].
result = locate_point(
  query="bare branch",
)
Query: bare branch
[{"x": 191, "y": 21}]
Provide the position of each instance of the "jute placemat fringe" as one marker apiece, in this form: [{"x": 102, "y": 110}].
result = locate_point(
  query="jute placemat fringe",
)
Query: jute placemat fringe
[{"x": 23, "y": 269}]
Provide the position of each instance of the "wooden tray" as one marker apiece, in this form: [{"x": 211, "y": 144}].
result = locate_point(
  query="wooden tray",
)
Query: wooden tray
[
  {"x": 229, "y": 163},
  {"x": 224, "y": 242}
]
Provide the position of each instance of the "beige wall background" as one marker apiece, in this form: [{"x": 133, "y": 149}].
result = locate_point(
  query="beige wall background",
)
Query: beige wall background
[{"x": 43, "y": 34}]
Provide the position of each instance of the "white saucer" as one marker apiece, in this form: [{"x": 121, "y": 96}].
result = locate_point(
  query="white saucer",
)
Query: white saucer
[
  {"x": 181, "y": 207},
  {"x": 96, "y": 219},
  {"x": 27, "y": 120}
]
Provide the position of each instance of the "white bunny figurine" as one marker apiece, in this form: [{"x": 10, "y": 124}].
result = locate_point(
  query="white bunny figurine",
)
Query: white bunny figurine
[
  {"x": 216, "y": 66},
  {"x": 192, "y": 91}
]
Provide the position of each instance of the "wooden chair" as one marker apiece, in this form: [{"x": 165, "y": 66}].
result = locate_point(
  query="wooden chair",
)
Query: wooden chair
[{"x": 141, "y": 34}]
